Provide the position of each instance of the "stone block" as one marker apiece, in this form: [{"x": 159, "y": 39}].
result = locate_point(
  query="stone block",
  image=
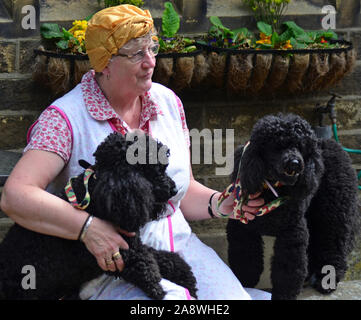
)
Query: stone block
[
  {"x": 350, "y": 84},
  {"x": 355, "y": 38},
  {"x": 26, "y": 54},
  {"x": 20, "y": 92},
  {"x": 13, "y": 129},
  {"x": 7, "y": 56},
  {"x": 346, "y": 290}
]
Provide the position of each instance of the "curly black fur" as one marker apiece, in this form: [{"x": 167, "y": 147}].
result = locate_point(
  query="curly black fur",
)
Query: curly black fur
[
  {"x": 315, "y": 227},
  {"x": 127, "y": 195}
]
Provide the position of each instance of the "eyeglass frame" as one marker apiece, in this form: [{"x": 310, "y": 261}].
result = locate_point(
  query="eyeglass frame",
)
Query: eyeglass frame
[{"x": 149, "y": 49}]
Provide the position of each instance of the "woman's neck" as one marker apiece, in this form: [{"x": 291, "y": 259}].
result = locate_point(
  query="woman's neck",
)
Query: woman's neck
[{"x": 127, "y": 106}]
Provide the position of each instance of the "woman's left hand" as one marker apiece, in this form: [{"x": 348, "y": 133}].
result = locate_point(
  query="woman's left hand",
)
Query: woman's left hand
[{"x": 250, "y": 209}]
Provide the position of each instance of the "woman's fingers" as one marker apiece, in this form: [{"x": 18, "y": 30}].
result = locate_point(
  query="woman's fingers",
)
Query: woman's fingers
[{"x": 103, "y": 240}]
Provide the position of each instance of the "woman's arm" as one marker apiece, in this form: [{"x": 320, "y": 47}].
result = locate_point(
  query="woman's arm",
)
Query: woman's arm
[
  {"x": 194, "y": 205},
  {"x": 25, "y": 200}
]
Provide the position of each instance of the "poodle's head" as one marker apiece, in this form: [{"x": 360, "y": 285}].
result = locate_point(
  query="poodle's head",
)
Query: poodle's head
[
  {"x": 130, "y": 185},
  {"x": 282, "y": 148}
]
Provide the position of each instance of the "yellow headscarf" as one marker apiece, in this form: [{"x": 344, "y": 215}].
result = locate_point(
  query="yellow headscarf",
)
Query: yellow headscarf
[{"x": 111, "y": 28}]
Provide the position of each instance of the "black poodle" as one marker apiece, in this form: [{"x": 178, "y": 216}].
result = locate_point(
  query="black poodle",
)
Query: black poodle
[
  {"x": 127, "y": 195},
  {"x": 316, "y": 223}
]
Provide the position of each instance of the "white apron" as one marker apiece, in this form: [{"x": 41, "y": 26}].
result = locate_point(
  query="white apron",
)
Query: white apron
[{"x": 214, "y": 279}]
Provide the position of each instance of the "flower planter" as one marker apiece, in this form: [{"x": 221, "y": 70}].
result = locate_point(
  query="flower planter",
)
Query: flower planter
[
  {"x": 257, "y": 72},
  {"x": 58, "y": 71},
  {"x": 241, "y": 72}
]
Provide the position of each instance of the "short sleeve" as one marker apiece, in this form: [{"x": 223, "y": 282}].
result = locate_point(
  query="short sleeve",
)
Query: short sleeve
[
  {"x": 51, "y": 133},
  {"x": 183, "y": 119}
]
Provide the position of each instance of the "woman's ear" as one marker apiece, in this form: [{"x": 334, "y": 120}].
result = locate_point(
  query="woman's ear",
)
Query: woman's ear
[{"x": 252, "y": 170}]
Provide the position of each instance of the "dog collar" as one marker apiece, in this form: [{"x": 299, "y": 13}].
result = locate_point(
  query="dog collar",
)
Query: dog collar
[
  {"x": 235, "y": 189},
  {"x": 71, "y": 194}
]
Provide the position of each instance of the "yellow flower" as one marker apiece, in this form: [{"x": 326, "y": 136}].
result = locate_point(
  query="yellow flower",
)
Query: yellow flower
[{"x": 79, "y": 25}]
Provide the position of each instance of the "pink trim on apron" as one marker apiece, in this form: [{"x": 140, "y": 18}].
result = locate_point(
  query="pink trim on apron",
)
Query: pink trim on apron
[
  {"x": 64, "y": 117},
  {"x": 112, "y": 125}
]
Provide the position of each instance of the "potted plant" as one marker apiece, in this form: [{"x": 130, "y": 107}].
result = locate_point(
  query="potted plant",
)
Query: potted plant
[
  {"x": 280, "y": 58},
  {"x": 177, "y": 58}
]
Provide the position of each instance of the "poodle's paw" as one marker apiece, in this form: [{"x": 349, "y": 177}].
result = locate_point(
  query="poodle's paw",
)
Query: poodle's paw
[
  {"x": 317, "y": 283},
  {"x": 193, "y": 292},
  {"x": 157, "y": 292}
]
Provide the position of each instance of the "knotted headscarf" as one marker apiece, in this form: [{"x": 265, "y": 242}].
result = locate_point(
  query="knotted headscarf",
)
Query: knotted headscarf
[{"x": 109, "y": 29}]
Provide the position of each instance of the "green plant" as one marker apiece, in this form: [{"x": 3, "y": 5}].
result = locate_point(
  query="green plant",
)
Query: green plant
[
  {"x": 291, "y": 37},
  {"x": 71, "y": 41},
  {"x": 269, "y": 11},
  {"x": 220, "y": 36},
  {"x": 112, "y": 3},
  {"x": 169, "y": 40},
  {"x": 294, "y": 37}
]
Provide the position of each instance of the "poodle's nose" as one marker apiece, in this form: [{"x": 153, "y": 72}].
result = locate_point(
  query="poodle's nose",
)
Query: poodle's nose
[{"x": 293, "y": 167}]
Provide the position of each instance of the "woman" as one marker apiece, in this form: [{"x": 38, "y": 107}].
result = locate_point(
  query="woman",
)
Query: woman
[{"x": 118, "y": 95}]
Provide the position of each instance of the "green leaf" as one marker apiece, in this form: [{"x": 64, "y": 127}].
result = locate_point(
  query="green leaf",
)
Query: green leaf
[
  {"x": 287, "y": 35},
  {"x": 63, "y": 44},
  {"x": 170, "y": 21},
  {"x": 242, "y": 32},
  {"x": 329, "y": 34},
  {"x": 274, "y": 38},
  {"x": 67, "y": 35},
  {"x": 304, "y": 38},
  {"x": 296, "y": 30},
  {"x": 50, "y": 31},
  {"x": 216, "y": 22},
  {"x": 264, "y": 28}
]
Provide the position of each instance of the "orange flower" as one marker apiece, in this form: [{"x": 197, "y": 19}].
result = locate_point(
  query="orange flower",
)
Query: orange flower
[{"x": 264, "y": 39}]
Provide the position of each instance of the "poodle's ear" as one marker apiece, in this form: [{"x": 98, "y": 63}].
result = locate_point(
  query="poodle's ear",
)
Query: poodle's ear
[
  {"x": 252, "y": 169},
  {"x": 84, "y": 164}
]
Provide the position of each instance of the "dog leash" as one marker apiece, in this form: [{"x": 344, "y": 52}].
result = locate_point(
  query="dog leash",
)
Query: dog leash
[
  {"x": 236, "y": 189},
  {"x": 71, "y": 194}
]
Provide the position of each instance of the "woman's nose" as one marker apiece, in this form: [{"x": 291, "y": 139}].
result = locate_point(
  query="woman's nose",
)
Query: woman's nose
[{"x": 149, "y": 60}]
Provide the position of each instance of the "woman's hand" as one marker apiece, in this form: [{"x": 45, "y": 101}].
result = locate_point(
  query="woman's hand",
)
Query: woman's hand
[
  {"x": 103, "y": 240},
  {"x": 250, "y": 209}
]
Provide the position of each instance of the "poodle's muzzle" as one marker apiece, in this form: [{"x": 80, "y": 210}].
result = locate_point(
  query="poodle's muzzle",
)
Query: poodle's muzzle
[{"x": 288, "y": 166}]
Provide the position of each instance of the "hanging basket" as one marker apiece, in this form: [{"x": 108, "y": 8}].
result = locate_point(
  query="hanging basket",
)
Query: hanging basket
[
  {"x": 258, "y": 72},
  {"x": 59, "y": 72},
  {"x": 176, "y": 70}
]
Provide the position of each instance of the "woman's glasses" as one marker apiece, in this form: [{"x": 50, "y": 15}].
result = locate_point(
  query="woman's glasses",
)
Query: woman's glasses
[{"x": 139, "y": 56}]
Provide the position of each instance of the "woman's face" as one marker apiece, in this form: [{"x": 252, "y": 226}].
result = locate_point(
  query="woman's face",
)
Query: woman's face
[{"x": 131, "y": 76}]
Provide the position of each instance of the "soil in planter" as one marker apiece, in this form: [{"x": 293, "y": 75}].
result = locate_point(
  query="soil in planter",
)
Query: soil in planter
[
  {"x": 297, "y": 70},
  {"x": 262, "y": 67},
  {"x": 337, "y": 66},
  {"x": 239, "y": 72},
  {"x": 80, "y": 68},
  {"x": 182, "y": 76},
  {"x": 163, "y": 70},
  {"x": 216, "y": 66},
  {"x": 201, "y": 70},
  {"x": 278, "y": 74},
  {"x": 319, "y": 67},
  {"x": 351, "y": 60}
]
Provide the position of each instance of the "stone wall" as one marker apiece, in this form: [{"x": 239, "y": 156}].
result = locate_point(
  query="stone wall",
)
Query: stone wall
[{"x": 21, "y": 100}]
